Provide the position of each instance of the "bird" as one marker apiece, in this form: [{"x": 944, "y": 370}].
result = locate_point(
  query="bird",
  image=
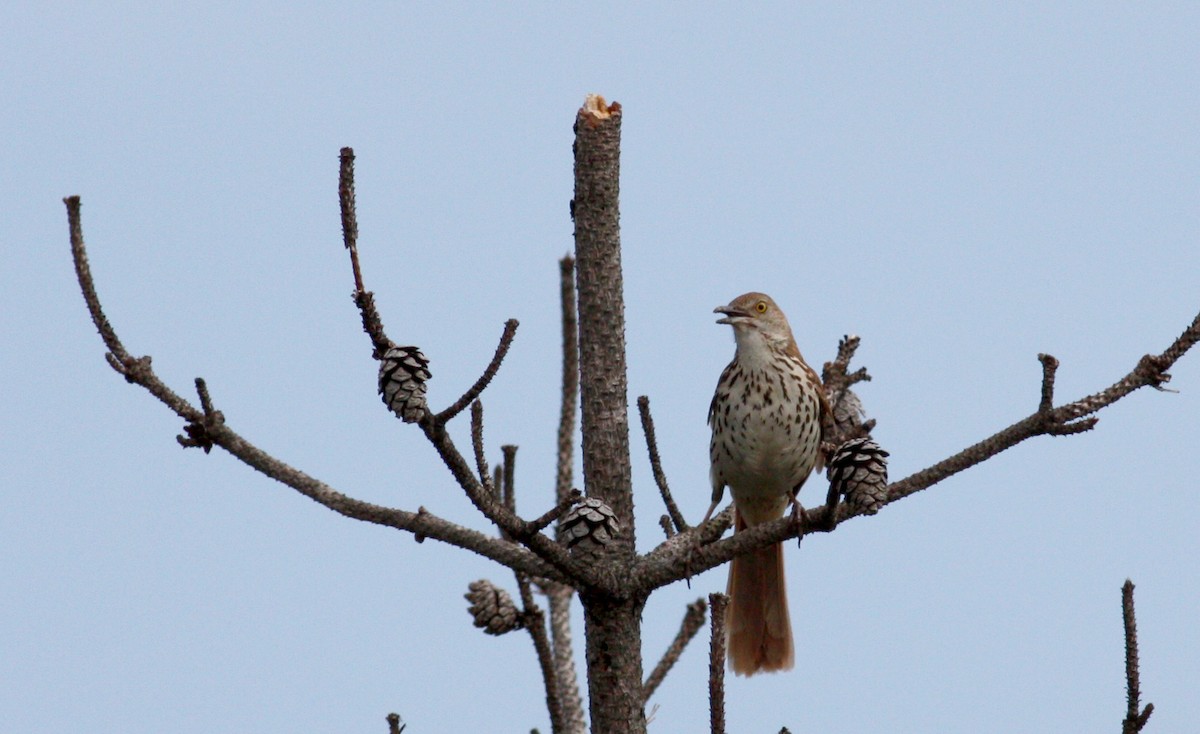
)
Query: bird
[{"x": 766, "y": 418}]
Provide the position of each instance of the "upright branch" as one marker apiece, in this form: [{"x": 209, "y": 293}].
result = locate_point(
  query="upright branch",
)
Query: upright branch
[
  {"x": 716, "y": 663},
  {"x": 1134, "y": 719},
  {"x": 675, "y": 517},
  {"x": 364, "y": 299},
  {"x": 559, "y": 596},
  {"x": 570, "y": 378},
  {"x": 693, "y": 620}
]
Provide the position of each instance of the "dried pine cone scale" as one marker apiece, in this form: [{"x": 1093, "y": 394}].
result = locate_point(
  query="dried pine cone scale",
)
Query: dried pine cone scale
[
  {"x": 403, "y": 372},
  {"x": 859, "y": 471}
]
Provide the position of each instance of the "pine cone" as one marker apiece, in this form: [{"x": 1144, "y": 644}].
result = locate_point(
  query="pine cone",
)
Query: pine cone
[
  {"x": 859, "y": 471},
  {"x": 402, "y": 375},
  {"x": 589, "y": 526},
  {"x": 493, "y": 609}
]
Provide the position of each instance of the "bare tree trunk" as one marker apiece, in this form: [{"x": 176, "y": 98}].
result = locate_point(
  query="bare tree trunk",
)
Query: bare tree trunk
[{"x": 613, "y": 625}]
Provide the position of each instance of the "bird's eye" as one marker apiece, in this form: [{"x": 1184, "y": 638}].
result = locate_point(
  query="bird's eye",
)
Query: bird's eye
[{"x": 761, "y": 307}]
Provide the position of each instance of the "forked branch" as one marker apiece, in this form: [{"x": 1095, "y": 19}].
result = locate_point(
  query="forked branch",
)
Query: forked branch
[{"x": 206, "y": 427}]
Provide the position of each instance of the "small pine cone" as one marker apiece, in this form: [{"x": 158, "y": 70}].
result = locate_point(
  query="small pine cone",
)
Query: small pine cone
[
  {"x": 402, "y": 375},
  {"x": 859, "y": 471},
  {"x": 492, "y": 608},
  {"x": 589, "y": 526}
]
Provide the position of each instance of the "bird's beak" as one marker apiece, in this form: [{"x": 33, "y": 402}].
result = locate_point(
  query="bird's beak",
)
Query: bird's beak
[{"x": 732, "y": 315}]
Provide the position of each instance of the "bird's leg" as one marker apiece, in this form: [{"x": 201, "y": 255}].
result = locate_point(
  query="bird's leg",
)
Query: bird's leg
[{"x": 799, "y": 516}]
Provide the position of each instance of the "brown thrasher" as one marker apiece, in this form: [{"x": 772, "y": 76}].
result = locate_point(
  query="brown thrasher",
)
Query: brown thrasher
[{"x": 766, "y": 421}]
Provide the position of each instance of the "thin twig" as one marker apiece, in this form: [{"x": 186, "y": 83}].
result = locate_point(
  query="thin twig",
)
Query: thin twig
[
  {"x": 660, "y": 477},
  {"x": 481, "y": 463},
  {"x": 554, "y": 513},
  {"x": 510, "y": 330},
  {"x": 349, "y": 214},
  {"x": 1049, "y": 368},
  {"x": 364, "y": 299},
  {"x": 693, "y": 620},
  {"x": 664, "y": 522},
  {"x": 1134, "y": 719},
  {"x": 716, "y": 663},
  {"x": 510, "y": 466}
]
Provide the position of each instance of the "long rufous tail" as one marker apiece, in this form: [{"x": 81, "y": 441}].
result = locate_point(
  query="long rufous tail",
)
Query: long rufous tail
[{"x": 760, "y": 631}]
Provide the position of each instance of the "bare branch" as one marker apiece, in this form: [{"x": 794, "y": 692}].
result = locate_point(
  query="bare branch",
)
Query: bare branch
[
  {"x": 510, "y": 466},
  {"x": 1049, "y": 368},
  {"x": 693, "y": 620},
  {"x": 570, "y": 378},
  {"x": 835, "y": 375},
  {"x": 1151, "y": 371},
  {"x": 481, "y": 463},
  {"x": 212, "y": 427},
  {"x": 394, "y": 725},
  {"x": 1134, "y": 719},
  {"x": 716, "y": 664},
  {"x": 510, "y": 330},
  {"x": 364, "y": 299},
  {"x": 349, "y": 213},
  {"x": 554, "y": 513},
  {"x": 660, "y": 477},
  {"x": 569, "y": 569},
  {"x": 664, "y": 522}
]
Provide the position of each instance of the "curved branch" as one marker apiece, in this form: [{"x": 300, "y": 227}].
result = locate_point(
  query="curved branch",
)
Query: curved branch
[
  {"x": 206, "y": 427},
  {"x": 510, "y": 331}
]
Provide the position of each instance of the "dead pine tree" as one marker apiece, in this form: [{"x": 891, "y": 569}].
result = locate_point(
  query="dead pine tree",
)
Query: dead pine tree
[{"x": 583, "y": 545}]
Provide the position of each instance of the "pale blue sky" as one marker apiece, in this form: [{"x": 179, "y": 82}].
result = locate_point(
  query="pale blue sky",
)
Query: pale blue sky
[{"x": 963, "y": 185}]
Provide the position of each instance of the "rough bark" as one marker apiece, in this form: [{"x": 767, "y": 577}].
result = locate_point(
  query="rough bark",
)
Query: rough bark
[{"x": 613, "y": 622}]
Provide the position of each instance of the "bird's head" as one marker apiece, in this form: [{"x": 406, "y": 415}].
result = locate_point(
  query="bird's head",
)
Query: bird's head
[{"x": 755, "y": 316}]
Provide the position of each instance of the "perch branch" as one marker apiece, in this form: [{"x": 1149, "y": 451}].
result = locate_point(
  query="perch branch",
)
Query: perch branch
[
  {"x": 679, "y": 557},
  {"x": 693, "y": 620},
  {"x": 660, "y": 477}
]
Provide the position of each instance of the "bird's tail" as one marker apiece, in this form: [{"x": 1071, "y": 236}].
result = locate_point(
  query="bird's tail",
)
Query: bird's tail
[{"x": 760, "y": 631}]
